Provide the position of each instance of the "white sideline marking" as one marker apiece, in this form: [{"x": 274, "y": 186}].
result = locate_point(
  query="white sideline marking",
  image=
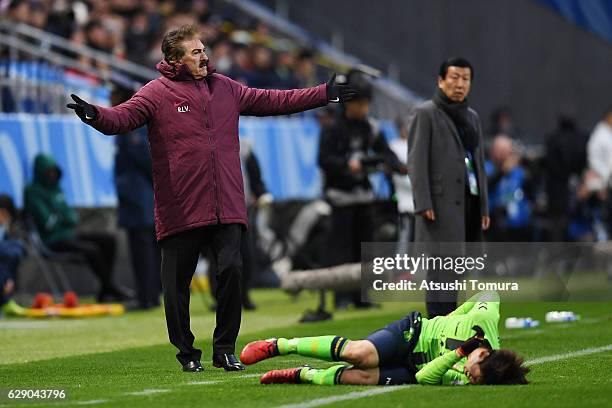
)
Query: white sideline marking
[
  {"x": 203, "y": 382},
  {"x": 362, "y": 394},
  {"x": 213, "y": 382},
  {"x": 345, "y": 397},
  {"x": 148, "y": 391},
  {"x": 251, "y": 375},
  {"x": 565, "y": 356},
  {"x": 91, "y": 402}
]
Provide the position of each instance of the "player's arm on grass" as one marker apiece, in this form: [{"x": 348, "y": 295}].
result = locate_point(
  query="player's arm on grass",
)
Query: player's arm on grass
[{"x": 439, "y": 371}]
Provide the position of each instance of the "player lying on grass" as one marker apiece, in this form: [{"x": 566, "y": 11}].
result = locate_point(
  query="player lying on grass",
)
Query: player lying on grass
[{"x": 460, "y": 348}]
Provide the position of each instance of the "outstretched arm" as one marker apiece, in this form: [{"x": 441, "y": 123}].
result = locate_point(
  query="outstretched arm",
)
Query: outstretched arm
[
  {"x": 268, "y": 102},
  {"x": 130, "y": 115}
]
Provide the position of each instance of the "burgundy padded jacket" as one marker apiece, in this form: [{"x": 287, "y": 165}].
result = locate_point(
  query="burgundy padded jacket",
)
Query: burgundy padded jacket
[{"x": 193, "y": 139}]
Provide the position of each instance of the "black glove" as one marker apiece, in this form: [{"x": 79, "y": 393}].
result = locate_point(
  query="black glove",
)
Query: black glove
[
  {"x": 472, "y": 343},
  {"x": 84, "y": 110},
  {"x": 339, "y": 93}
]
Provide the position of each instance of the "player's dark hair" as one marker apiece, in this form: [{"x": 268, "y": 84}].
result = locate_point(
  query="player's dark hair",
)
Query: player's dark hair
[
  {"x": 503, "y": 367},
  {"x": 456, "y": 62},
  {"x": 172, "y": 47}
]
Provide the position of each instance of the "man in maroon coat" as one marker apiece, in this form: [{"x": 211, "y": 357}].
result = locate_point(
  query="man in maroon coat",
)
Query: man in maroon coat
[{"x": 192, "y": 117}]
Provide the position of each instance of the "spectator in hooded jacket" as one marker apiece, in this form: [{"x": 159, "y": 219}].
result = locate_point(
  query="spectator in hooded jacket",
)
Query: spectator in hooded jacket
[{"x": 56, "y": 222}]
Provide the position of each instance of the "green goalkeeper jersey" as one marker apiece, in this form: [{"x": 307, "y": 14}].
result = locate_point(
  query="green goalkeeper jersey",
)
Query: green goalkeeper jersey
[{"x": 445, "y": 333}]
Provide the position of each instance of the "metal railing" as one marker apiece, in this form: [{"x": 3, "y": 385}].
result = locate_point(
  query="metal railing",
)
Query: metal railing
[{"x": 30, "y": 79}]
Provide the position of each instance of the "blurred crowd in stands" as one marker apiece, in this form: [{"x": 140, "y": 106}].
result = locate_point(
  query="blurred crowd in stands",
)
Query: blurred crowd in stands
[
  {"x": 240, "y": 46},
  {"x": 559, "y": 191}
]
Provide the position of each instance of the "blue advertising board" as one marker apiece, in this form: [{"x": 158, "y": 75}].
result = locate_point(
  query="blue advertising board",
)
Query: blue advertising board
[{"x": 285, "y": 147}]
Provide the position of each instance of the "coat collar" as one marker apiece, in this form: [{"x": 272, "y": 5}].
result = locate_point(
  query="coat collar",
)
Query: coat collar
[{"x": 179, "y": 72}]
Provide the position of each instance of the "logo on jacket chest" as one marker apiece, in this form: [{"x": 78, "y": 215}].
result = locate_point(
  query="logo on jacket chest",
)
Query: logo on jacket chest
[{"x": 181, "y": 109}]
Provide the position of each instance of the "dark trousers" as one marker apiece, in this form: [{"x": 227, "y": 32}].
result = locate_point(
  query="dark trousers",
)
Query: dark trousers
[
  {"x": 146, "y": 261},
  {"x": 351, "y": 225},
  {"x": 180, "y": 254},
  {"x": 99, "y": 251},
  {"x": 441, "y": 303},
  {"x": 247, "y": 250}
]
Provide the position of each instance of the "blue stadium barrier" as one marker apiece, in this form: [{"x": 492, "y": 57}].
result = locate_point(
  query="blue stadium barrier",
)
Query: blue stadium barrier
[
  {"x": 39, "y": 87},
  {"x": 286, "y": 148}
]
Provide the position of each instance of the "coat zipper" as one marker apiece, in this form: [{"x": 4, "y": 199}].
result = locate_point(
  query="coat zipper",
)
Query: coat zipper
[
  {"x": 216, "y": 190},
  {"x": 213, "y": 156}
]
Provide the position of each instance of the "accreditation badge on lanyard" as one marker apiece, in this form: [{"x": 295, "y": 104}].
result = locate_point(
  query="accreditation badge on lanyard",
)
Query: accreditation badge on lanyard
[{"x": 471, "y": 173}]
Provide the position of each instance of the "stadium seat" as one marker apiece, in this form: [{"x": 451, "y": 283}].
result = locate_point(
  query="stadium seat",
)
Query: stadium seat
[{"x": 49, "y": 261}]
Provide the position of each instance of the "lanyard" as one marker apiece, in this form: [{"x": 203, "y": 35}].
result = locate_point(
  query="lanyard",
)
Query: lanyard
[{"x": 471, "y": 173}]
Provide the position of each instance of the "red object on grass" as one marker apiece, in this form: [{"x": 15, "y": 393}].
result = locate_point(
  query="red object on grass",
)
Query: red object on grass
[
  {"x": 71, "y": 299},
  {"x": 42, "y": 300}
]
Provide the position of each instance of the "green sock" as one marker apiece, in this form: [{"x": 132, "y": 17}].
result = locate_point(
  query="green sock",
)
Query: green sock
[
  {"x": 11, "y": 308},
  {"x": 326, "y": 348},
  {"x": 328, "y": 376}
]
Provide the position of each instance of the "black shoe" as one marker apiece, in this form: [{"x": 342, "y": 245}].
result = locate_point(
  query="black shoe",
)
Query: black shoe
[
  {"x": 122, "y": 293},
  {"x": 136, "y": 306},
  {"x": 193, "y": 367},
  {"x": 366, "y": 305},
  {"x": 315, "y": 316},
  {"x": 247, "y": 304},
  {"x": 115, "y": 294},
  {"x": 229, "y": 362}
]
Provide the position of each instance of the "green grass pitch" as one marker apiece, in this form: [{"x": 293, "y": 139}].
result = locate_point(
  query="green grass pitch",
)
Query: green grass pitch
[{"x": 127, "y": 361}]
